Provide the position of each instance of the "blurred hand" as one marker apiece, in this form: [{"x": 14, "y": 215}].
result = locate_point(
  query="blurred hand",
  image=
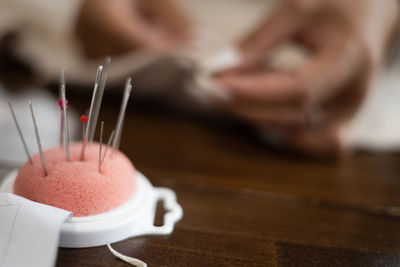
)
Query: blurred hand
[
  {"x": 346, "y": 40},
  {"x": 112, "y": 27}
]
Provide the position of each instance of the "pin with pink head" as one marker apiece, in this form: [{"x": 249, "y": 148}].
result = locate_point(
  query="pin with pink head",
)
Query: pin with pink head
[{"x": 60, "y": 103}]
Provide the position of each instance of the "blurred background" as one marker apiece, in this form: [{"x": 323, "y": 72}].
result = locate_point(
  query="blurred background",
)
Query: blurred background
[{"x": 313, "y": 78}]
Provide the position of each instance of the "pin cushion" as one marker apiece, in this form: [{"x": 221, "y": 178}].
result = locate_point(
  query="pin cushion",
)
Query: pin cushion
[{"x": 77, "y": 185}]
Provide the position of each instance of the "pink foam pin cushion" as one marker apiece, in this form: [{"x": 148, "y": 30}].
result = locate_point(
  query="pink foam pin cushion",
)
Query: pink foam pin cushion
[
  {"x": 77, "y": 185},
  {"x": 110, "y": 200}
]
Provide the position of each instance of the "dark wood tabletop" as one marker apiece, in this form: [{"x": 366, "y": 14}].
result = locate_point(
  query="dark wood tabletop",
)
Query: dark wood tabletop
[{"x": 246, "y": 205}]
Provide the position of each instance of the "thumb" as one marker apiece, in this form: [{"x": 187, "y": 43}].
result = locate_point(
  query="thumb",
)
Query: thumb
[{"x": 323, "y": 142}]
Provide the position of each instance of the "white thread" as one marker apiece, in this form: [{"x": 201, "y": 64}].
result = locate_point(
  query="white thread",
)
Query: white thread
[{"x": 131, "y": 261}]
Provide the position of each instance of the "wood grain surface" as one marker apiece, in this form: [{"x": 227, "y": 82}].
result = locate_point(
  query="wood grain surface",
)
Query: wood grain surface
[{"x": 245, "y": 205}]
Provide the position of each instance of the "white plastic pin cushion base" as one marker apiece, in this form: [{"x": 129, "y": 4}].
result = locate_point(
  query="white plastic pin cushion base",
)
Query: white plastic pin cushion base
[{"x": 134, "y": 218}]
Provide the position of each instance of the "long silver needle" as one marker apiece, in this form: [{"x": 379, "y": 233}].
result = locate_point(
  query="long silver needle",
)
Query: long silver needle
[
  {"x": 98, "y": 99},
  {"x": 62, "y": 129},
  {"x": 127, "y": 92},
  {"x": 61, "y": 82},
  {"x": 99, "y": 74},
  {"x": 120, "y": 133},
  {"x": 101, "y": 144},
  {"x": 108, "y": 145},
  {"x": 20, "y": 132},
  {"x": 66, "y": 126},
  {"x": 38, "y": 140}
]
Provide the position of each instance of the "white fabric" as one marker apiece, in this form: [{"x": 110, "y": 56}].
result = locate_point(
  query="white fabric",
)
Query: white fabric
[
  {"x": 29, "y": 232},
  {"x": 376, "y": 126}
]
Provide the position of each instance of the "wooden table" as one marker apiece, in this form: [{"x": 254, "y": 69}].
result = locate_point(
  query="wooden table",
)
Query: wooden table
[{"x": 247, "y": 206}]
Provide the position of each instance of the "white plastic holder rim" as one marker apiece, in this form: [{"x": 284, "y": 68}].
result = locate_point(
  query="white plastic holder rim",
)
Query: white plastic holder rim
[{"x": 134, "y": 218}]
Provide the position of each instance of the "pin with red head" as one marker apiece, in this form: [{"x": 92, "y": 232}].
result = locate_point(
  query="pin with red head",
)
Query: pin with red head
[{"x": 84, "y": 119}]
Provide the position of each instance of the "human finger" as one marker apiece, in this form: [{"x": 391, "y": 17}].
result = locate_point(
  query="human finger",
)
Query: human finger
[
  {"x": 266, "y": 87},
  {"x": 286, "y": 117},
  {"x": 284, "y": 22}
]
